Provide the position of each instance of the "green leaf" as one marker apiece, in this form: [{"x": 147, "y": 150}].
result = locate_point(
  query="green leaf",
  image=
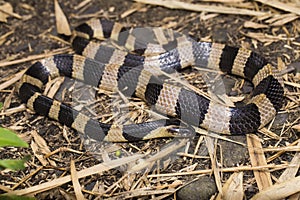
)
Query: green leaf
[
  {"x": 9, "y": 138},
  {"x": 1, "y": 105},
  {"x": 15, "y": 197},
  {"x": 14, "y": 164}
]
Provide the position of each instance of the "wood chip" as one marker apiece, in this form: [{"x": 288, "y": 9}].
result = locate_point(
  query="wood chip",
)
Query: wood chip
[{"x": 62, "y": 24}]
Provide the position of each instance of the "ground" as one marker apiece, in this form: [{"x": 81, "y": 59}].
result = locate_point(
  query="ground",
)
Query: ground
[{"x": 34, "y": 36}]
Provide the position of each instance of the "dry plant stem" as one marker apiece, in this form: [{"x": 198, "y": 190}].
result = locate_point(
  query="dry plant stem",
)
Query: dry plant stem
[
  {"x": 11, "y": 13},
  {"x": 83, "y": 173},
  {"x": 4, "y": 188},
  {"x": 11, "y": 80},
  {"x": 201, "y": 8},
  {"x": 75, "y": 181},
  {"x": 164, "y": 152},
  {"x": 230, "y": 169},
  {"x": 27, "y": 177},
  {"x": 35, "y": 57},
  {"x": 139, "y": 193},
  {"x": 214, "y": 135},
  {"x": 62, "y": 149},
  {"x": 257, "y": 158},
  {"x": 11, "y": 111},
  {"x": 281, "y": 6},
  {"x": 287, "y": 148},
  {"x": 82, "y": 4}
]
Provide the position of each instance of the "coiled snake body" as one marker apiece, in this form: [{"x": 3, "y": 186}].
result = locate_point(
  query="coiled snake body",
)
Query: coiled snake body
[{"x": 113, "y": 69}]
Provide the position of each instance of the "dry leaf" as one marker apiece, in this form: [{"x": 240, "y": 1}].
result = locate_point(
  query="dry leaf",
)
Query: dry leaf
[
  {"x": 233, "y": 188},
  {"x": 40, "y": 148},
  {"x": 35, "y": 149},
  {"x": 62, "y": 23},
  {"x": 5, "y": 7}
]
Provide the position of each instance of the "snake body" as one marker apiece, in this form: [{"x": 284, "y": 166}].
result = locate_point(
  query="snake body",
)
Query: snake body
[{"x": 110, "y": 68}]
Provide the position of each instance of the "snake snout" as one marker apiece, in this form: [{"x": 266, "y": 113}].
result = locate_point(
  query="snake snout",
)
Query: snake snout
[{"x": 179, "y": 131}]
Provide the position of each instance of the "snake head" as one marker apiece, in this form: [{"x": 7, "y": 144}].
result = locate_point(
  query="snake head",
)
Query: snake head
[{"x": 182, "y": 131}]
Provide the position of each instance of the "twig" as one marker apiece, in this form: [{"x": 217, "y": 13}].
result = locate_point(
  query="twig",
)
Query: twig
[{"x": 11, "y": 13}]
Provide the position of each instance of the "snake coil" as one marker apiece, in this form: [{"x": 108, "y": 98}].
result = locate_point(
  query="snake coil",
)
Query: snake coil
[{"x": 110, "y": 68}]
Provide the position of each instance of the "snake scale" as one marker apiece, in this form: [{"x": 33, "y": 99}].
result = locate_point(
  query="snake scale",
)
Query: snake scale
[{"x": 110, "y": 68}]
